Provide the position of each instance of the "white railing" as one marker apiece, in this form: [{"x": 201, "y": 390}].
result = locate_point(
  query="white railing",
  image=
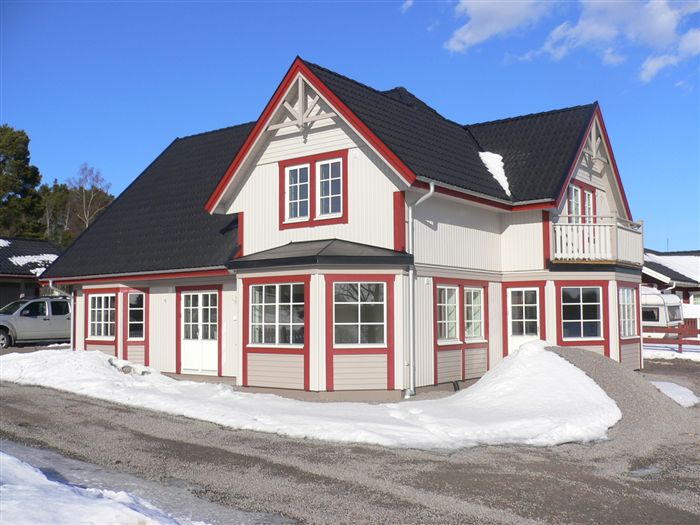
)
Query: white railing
[{"x": 600, "y": 238}]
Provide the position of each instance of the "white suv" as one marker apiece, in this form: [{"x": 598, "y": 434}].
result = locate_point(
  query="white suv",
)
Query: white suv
[{"x": 41, "y": 319}]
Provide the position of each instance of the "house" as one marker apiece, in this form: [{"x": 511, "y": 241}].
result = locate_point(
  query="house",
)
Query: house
[
  {"x": 356, "y": 241},
  {"x": 22, "y": 261},
  {"x": 678, "y": 272}
]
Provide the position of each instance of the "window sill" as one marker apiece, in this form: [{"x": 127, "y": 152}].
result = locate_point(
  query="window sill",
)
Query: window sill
[
  {"x": 329, "y": 217},
  {"x": 140, "y": 340},
  {"x": 273, "y": 345},
  {"x": 364, "y": 345},
  {"x": 447, "y": 342},
  {"x": 100, "y": 340},
  {"x": 628, "y": 337},
  {"x": 583, "y": 339},
  {"x": 475, "y": 341}
]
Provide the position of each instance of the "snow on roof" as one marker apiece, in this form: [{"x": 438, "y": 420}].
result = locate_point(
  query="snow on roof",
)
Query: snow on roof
[
  {"x": 4, "y": 243},
  {"x": 494, "y": 163},
  {"x": 23, "y": 260},
  {"x": 688, "y": 265}
]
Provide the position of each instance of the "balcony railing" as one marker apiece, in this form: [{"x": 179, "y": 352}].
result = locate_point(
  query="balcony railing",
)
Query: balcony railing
[{"x": 579, "y": 238}]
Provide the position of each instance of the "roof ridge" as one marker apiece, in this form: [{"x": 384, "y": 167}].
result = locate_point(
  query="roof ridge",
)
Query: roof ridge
[
  {"x": 328, "y": 244},
  {"x": 531, "y": 115},
  {"x": 216, "y": 130}
]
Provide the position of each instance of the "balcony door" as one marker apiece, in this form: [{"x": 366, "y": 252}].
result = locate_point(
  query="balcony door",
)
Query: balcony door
[{"x": 523, "y": 316}]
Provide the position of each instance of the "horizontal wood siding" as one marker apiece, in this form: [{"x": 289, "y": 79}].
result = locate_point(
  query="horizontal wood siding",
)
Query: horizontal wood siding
[
  {"x": 107, "y": 349},
  {"x": 276, "y": 370},
  {"x": 475, "y": 362},
  {"x": 597, "y": 349},
  {"x": 137, "y": 354},
  {"x": 449, "y": 365},
  {"x": 629, "y": 354},
  {"x": 360, "y": 372}
]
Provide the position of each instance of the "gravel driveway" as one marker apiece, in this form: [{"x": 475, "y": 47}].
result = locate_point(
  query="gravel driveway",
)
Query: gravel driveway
[{"x": 648, "y": 472}]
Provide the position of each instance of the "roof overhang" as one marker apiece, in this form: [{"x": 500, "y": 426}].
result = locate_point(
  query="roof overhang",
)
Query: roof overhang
[{"x": 139, "y": 276}]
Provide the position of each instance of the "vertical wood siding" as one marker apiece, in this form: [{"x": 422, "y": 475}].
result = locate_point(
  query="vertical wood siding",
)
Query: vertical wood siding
[
  {"x": 230, "y": 346},
  {"x": 495, "y": 314},
  {"x": 359, "y": 372},
  {"x": 79, "y": 320},
  {"x": 162, "y": 328},
  {"x": 521, "y": 241},
  {"x": 424, "y": 332}
]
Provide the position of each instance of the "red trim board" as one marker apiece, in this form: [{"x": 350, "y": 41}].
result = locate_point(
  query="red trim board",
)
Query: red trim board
[
  {"x": 540, "y": 285},
  {"x": 178, "y": 320},
  {"x": 546, "y": 239},
  {"x": 311, "y": 160},
  {"x": 462, "y": 345},
  {"x": 331, "y": 351},
  {"x": 605, "y": 321},
  {"x": 246, "y": 283}
]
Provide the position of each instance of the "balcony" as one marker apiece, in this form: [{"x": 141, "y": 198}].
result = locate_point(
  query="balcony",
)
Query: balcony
[{"x": 600, "y": 239}]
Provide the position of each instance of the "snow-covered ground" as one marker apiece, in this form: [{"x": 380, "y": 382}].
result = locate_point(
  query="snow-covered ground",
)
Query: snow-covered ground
[
  {"x": 27, "y": 496},
  {"x": 680, "y": 394},
  {"x": 533, "y": 397},
  {"x": 670, "y": 351}
]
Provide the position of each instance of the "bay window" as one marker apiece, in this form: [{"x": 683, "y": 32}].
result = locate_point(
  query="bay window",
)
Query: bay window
[
  {"x": 581, "y": 312},
  {"x": 447, "y": 312},
  {"x": 359, "y": 313},
  {"x": 277, "y": 313},
  {"x": 102, "y": 308},
  {"x": 473, "y": 313},
  {"x": 628, "y": 312}
]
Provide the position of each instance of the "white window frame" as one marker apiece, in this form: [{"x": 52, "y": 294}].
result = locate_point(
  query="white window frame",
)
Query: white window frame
[
  {"x": 443, "y": 307},
  {"x": 287, "y": 191},
  {"x": 128, "y": 320},
  {"x": 627, "y": 298},
  {"x": 277, "y": 323},
  {"x": 200, "y": 308},
  {"x": 574, "y": 204},
  {"x": 102, "y": 323},
  {"x": 523, "y": 305},
  {"x": 319, "y": 214},
  {"x": 359, "y": 323},
  {"x": 581, "y": 320},
  {"x": 471, "y": 291},
  {"x": 694, "y": 298},
  {"x": 588, "y": 205}
]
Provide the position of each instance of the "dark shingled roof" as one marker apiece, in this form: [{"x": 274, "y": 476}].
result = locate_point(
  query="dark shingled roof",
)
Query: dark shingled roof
[
  {"x": 324, "y": 252},
  {"x": 538, "y": 150},
  {"x": 19, "y": 247},
  {"x": 159, "y": 221}
]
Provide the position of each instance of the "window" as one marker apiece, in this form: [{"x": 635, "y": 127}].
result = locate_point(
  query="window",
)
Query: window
[
  {"x": 136, "y": 315},
  {"x": 581, "y": 312},
  {"x": 628, "y": 312},
  {"x": 36, "y": 309},
  {"x": 277, "y": 314},
  {"x": 694, "y": 298},
  {"x": 650, "y": 314},
  {"x": 330, "y": 188},
  {"x": 447, "y": 312},
  {"x": 200, "y": 316},
  {"x": 588, "y": 205},
  {"x": 574, "y": 203},
  {"x": 473, "y": 313},
  {"x": 674, "y": 313},
  {"x": 297, "y": 192},
  {"x": 59, "y": 308},
  {"x": 523, "y": 311},
  {"x": 102, "y": 315},
  {"x": 359, "y": 314}
]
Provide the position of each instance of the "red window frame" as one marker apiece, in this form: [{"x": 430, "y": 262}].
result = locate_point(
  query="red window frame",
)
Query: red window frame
[
  {"x": 583, "y": 189},
  {"x": 126, "y": 342},
  {"x": 312, "y": 160},
  {"x": 604, "y": 340}
]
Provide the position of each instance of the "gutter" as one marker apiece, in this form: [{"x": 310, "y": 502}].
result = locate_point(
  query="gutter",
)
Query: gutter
[
  {"x": 411, "y": 391},
  {"x": 495, "y": 200}
]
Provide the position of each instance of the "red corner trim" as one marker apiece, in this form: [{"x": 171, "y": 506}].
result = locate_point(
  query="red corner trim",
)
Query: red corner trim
[
  {"x": 246, "y": 283},
  {"x": 178, "y": 318},
  {"x": 604, "y": 285},
  {"x": 540, "y": 285},
  {"x": 240, "y": 235},
  {"x": 400, "y": 221},
  {"x": 546, "y": 239},
  {"x": 389, "y": 279},
  {"x": 298, "y": 67},
  {"x": 311, "y": 160}
]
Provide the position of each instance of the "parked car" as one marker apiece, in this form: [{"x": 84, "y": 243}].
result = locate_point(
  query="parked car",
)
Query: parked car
[{"x": 41, "y": 319}]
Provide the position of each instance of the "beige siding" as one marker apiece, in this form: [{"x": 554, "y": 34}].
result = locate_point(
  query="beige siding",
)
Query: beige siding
[
  {"x": 137, "y": 354},
  {"x": 449, "y": 365},
  {"x": 424, "y": 332},
  {"x": 597, "y": 349},
  {"x": 495, "y": 324},
  {"x": 107, "y": 349},
  {"x": 229, "y": 319},
  {"x": 288, "y": 143},
  {"x": 360, "y": 372},
  {"x": 475, "y": 362},
  {"x": 457, "y": 234},
  {"x": 275, "y": 370},
  {"x": 521, "y": 241},
  {"x": 630, "y": 355},
  {"x": 79, "y": 336},
  {"x": 162, "y": 328}
]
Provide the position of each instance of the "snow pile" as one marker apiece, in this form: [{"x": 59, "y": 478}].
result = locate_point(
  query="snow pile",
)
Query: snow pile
[
  {"x": 494, "y": 163},
  {"x": 688, "y": 265},
  {"x": 27, "y": 496},
  {"x": 4, "y": 243},
  {"x": 533, "y": 397},
  {"x": 680, "y": 394},
  {"x": 670, "y": 351},
  {"x": 23, "y": 260}
]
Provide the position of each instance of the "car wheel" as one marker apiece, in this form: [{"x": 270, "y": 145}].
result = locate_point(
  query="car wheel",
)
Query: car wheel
[{"x": 5, "y": 339}]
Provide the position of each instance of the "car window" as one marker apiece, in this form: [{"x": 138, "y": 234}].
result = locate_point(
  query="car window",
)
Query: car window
[
  {"x": 12, "y": 307},
  {"x": 59, "y": 307},
  {"x": 35, "y": 309}
]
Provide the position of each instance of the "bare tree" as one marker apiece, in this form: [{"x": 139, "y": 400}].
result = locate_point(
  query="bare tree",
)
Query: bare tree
[{"x": 90, "y": 194}]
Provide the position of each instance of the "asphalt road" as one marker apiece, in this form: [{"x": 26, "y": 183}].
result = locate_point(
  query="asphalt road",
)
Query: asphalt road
[{"x": 317, "y": 482}]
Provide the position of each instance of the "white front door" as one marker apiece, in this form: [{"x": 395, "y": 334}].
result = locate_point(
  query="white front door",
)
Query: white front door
[
  {"x": 200, "y": 332},
  {"x": 523, "y": 316}
]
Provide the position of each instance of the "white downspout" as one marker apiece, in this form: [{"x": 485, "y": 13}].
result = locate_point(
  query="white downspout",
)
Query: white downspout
[{"x": 412, "y": 297}]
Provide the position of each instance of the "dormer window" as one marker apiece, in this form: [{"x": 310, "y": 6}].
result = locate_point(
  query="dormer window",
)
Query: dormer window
[{"x": 314, "y": 190}]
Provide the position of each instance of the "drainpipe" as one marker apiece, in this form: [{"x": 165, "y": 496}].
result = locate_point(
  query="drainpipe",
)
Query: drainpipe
[{"x": 412, "y": 296}]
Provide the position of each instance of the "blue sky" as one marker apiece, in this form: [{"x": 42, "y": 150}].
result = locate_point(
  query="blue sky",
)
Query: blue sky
[{"x": 113, "y": 83}]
